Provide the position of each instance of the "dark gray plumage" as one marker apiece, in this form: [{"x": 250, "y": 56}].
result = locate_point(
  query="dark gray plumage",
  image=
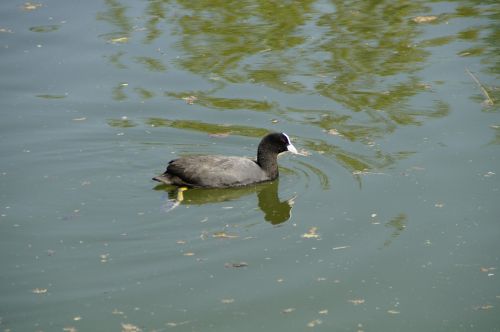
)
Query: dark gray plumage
[{"x": 214, "y": 171}]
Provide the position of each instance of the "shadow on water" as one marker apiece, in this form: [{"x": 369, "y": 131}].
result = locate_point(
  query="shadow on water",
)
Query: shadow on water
[{"x": 275, "y": 211}]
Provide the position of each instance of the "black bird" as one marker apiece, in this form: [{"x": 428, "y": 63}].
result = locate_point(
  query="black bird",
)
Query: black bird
[{"x": 215, "y": 171}]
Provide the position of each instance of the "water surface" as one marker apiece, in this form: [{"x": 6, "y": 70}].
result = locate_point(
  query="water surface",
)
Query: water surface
[{"x": 388, "y": 222}]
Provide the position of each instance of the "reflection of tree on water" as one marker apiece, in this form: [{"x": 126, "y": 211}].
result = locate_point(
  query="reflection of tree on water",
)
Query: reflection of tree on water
[
  {"x": 398, "y": 224},
  {"x": 360, "y": 59},
  {"x": 365, "y": 60},
  {"x": 275, "y": 211}
]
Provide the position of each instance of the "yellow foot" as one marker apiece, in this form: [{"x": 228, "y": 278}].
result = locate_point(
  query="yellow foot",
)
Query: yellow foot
[{"x": 180, "y": 195}]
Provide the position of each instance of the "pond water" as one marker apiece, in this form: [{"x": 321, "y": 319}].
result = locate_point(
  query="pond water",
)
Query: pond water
[{"x": 389, "y": 221}]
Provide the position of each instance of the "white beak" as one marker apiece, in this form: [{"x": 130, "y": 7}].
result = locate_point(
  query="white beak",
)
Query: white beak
[
  {"x": 292, "y": 149},
  {"x": 290, "y": 146}
]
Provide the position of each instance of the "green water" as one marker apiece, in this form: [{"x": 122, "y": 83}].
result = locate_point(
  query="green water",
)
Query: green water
[{"x": 388, "y": 222}]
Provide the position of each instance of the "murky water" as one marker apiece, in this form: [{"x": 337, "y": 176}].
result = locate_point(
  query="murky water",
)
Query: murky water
[{"x": 389, "y": 222}]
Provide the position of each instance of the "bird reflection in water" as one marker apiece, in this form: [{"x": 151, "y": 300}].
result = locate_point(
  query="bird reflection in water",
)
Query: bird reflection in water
[{"x": 275, "y": 211}]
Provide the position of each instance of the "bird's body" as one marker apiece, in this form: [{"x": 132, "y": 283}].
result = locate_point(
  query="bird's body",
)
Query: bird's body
[
  {"x": 212, "y": 171},
  {"x": 216, "y": 171}
]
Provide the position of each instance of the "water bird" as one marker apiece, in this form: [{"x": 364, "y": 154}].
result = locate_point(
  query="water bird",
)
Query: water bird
[{"x": 216, "y": 171}]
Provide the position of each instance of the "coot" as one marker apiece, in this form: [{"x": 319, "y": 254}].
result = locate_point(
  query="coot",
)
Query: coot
[{"x": 214, "y": 171}]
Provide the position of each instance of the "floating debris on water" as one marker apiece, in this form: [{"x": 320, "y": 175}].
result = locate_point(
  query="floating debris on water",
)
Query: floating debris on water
[
  {"x": 311, "y": 233},
  {"x": 175, "y": 324},
  {"x": 424, "y": 19},
  {"x": 119, "y": 40},
  {"x": 357, "y": 301},
  {"x": 236, "y": 265},
  {"x": 130, "y": 328},
  {"x": 104, "y": 258},
  {"x": 70, "y": 329},
  {"x": 190, "y": 99},
  {"x": 224, "y": 235},
  {"x": 30, "y": 6},
  {"x": 314, "y": 323},
  {"x": 39, "y": 291}
]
